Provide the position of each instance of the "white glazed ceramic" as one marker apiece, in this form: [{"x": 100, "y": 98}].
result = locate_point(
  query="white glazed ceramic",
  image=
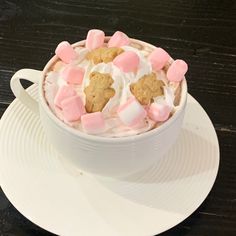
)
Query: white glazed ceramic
[
  {"x": 59, "y": 198},
  {"x": 113, "y": 157}
]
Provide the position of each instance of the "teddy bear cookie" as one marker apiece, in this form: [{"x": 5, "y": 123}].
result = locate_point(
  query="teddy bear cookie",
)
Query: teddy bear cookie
[
  {"x": 98, "y": 92},
  {"x": 147, "y": 88},
  {"x": 103, "y": 54}
]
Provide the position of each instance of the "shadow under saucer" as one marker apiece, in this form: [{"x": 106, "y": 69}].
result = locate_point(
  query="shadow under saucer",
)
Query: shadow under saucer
[{"x": 184, "y": 169}]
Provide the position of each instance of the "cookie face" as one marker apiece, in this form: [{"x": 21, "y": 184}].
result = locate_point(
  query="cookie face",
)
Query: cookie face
[
  {"x": 147, "y": 88},
  {"x": 98, "y": 92},
  {"x": 102, "y": 54}
]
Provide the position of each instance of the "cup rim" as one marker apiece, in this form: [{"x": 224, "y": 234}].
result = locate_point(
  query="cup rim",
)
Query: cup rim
[{"x": 97, "y": 138}]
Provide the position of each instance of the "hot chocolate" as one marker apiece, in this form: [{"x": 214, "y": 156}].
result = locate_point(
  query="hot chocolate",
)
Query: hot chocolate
[{"x": 113, "y": 87}]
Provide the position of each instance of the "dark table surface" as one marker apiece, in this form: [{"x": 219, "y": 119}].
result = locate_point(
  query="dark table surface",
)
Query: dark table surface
[{"x": 201, "y": 32}]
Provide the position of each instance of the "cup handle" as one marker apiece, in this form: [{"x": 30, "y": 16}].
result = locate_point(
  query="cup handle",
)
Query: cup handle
[{"x": 18, "y": 90}]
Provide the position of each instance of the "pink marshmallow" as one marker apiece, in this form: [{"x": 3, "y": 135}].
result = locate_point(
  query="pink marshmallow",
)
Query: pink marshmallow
[
  {"x": 158, "y": 58},
  {"x": 159, "y": 112},
  {"x": 127, "y": 61},
  {"x": 73, "y": 75},
  {"x": 131, "y": 112},
  {"x": 65, "y": 52},
  {"x": 93, "y": 123},
  {"x": 72, "y": 108},
  {"x": 177, "y": 70},
  {"x": 95, "y": 39},
  {"x": 63, "y": 93},
  {"x": 118, "y": 39}
]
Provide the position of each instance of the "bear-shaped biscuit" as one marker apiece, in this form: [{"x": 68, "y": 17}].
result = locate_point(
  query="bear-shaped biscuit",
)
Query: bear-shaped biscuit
[
  {"x": 98, "y": 92},
  {"x": 103, "y": 54},
  {"x": 147, "y": 88}
]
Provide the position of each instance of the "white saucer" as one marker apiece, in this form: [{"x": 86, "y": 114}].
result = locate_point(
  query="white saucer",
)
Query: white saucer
[{"x": 67, "y": 202}]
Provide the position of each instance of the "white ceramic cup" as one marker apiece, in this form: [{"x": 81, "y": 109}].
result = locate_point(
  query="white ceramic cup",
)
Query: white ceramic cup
[{"x": 113, "y": 157}]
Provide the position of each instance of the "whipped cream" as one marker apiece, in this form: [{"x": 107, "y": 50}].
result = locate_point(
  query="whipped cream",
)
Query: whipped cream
[{"x": 121, "y": 85}]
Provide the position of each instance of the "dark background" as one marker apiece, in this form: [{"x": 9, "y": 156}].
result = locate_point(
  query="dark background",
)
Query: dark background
[{"x": 201, "y": 32}]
